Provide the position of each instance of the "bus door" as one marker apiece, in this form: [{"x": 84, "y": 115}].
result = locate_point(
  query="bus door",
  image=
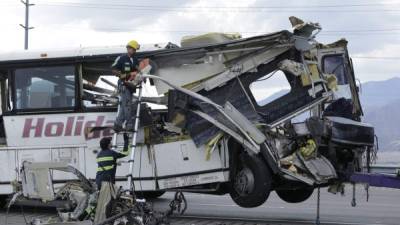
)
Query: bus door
[
  {"x": 3, "y": 103},
  {"x": 7, "y": 156}
]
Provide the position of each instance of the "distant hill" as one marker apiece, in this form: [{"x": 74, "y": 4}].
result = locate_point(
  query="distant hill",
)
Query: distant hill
[
  {"x": 273, "y": 97},
  {"x": 381, "y": 104},
  {"x": 386, "y": 120},
  {"x": 379, "y": 93}
]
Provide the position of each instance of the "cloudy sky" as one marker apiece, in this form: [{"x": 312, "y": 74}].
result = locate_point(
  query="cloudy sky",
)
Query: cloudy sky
[{"x": 372, "y": 27}]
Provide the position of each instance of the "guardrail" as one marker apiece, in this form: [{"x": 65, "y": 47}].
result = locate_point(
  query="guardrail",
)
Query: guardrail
[{"x": 385, "y": 169}]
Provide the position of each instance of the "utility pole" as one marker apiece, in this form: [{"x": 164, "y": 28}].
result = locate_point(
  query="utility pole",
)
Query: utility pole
[{"x": 26, "y": 26}]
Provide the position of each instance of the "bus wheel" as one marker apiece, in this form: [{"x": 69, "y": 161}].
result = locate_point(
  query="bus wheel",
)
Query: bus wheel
[
  {"x": 149, "y": 194},
  {"x": 251, "y": 185},
  {"x": 295, "y": 195}
]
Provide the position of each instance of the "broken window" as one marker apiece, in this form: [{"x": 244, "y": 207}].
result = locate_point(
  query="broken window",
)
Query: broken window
[
  {"x": 334, "y": 64},
  {"x": 98, "y": 85},
  {"x": 45, "y": 87},
  {"x": 99, "y": 94},
  {"x": 270, "y": 87}
]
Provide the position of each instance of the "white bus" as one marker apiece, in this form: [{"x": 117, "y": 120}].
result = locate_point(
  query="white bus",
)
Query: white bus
[{"x": 273, "y": 114}]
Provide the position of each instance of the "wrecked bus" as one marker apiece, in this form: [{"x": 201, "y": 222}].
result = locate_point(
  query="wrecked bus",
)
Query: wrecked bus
[{"x": 245, "y": 116}]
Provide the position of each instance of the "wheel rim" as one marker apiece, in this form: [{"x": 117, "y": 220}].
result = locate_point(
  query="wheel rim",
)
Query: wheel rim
[{"x": 244, "y": 182}]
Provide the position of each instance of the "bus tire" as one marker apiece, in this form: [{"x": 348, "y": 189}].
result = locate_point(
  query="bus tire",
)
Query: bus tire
[
  {"x": 149, "y": 194},
  {"x": 295, "y": 195},
  {"x": 251, "y": 185}
]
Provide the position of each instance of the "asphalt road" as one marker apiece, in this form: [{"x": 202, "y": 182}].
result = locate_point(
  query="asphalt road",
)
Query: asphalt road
[{"x": 383, "y": 208}]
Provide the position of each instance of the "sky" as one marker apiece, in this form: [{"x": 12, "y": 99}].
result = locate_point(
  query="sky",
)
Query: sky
[{"x": 371, "y": 27}]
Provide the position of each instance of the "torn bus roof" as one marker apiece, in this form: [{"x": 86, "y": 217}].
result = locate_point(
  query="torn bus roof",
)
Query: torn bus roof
[{"x": 219, "y": 61}]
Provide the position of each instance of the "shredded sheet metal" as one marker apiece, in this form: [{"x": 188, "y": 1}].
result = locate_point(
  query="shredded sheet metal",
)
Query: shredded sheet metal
[{"x": 201, "y": 130}]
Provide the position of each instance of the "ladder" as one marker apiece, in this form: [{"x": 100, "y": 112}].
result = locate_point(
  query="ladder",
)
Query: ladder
[{"x": 129, "y": 185}]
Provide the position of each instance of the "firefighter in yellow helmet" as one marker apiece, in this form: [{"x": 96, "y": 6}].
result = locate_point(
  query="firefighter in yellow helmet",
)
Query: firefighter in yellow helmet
[{"x": 125, "y": 67}]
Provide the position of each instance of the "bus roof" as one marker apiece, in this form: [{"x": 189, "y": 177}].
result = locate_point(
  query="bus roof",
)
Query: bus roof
[
  {"x": 108, "y": 53},
  {"x": 71, "y": 52}
]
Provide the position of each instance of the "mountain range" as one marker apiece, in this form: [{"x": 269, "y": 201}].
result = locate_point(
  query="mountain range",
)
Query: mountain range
[{"x": 381, "y": 104}]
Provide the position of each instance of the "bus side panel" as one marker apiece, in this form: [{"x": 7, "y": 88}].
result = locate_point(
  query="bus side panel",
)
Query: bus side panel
[
  {"x": 56, "y": 130},
  {"x": 33, "y": 155},
  {"x": 181, "y": 164},
  {"x": 90, "y": 162},
  {"x": 68, "y": 155},
  {"x": 144, "y": 169},
  {"x": 8, "y": 171}
]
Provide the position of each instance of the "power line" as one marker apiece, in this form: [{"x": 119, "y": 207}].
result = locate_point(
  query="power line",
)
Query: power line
[
  {"x": 359, "y": 34},
  {"x": 203, "y": 31},
  {"x": 238, "y": 1},
  {"x": 366, "y": 30},
  {"x": 377, "y": 57},
  {"x": 243, "y": 11},
  {"x": 240, "y": 9},
  {"x": 97, "y": 4},
  {"x": 337, "y": 8},
  {"x": 392, "y": 31},
  {"x": 221, "y": 7}
]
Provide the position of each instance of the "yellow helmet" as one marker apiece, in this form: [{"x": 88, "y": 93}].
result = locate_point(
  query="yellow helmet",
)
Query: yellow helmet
[{"x": 133, "y": 44}]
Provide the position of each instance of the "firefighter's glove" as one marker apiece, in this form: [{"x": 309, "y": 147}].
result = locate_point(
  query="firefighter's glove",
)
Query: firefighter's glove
[
  {"x": 138, "y": 79},
  {"x": 131, "y": 76},
  {"x": 135, "y": 79},
  {"x": 122, "y": 76}
]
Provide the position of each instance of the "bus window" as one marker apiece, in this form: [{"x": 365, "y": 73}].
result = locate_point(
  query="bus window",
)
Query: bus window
[
  {"x": 270, "y": 87},
  {"x": 334, "y": 64},
  {"x": 45, "y": 87},
  {"x": 96, "y": 92},
  {"x": 102, "y": 94}
]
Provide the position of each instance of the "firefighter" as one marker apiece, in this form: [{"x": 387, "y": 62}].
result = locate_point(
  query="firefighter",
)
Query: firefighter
[
  {"x": 107, "y": 160},
  {"x": 125, "y": 67}
]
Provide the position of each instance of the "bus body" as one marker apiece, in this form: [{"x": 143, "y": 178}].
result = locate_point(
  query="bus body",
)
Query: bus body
[
  {"x": 39, "y": 129},
  {"x": 227, "y": 131}
]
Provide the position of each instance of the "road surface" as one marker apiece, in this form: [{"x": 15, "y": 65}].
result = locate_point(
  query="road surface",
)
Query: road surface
[{"x": 383, "y": 208}]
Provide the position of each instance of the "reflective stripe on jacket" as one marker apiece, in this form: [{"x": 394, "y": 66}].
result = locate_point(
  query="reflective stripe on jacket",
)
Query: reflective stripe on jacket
[{"x": 107, "y": 164}]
